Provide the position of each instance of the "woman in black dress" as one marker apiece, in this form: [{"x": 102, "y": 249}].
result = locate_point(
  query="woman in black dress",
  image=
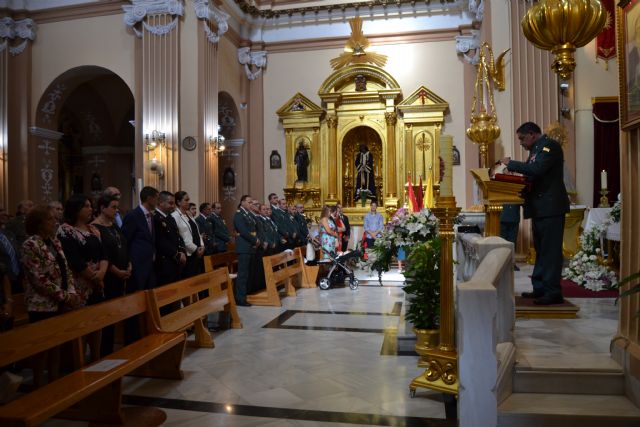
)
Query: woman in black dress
[
  {"x": 83, "y": 249},
  {"x": 115, "y": 247}
]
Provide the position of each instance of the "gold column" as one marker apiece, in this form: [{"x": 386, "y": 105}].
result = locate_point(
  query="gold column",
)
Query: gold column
[
  {"x": 492, "y": 223},
  {"x": 391, "y": 119},
  {"x": 332, "y": 122},
  {"x": 315, "y": 151},
  {"x": 442, "y": 363}
]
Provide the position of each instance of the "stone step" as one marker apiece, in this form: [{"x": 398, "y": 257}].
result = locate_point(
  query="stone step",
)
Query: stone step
[
  {"x": 567, "y": 410},
  {"x": 563, "y": 382}
]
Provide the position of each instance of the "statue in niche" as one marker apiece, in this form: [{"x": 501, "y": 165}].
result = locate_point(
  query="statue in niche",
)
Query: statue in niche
[
  {"x": 365, "y": 179},
  {"x": 96, "y": 182},
  {"x": 301, "y": 159},
  {"x": 297, "y": 104},
  {"x": 361, "y": 83},
  {"x": 229, "y": 177}
]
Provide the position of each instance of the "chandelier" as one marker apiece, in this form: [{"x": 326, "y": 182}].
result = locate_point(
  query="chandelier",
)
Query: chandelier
[{"x": 561, "y": 26}]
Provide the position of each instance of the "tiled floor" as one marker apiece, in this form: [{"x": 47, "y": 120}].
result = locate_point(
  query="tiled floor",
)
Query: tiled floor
[{"x": 316, "y": 361}]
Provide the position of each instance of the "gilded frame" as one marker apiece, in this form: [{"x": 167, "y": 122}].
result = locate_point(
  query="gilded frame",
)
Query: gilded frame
[{"x": 628, "y": 37}]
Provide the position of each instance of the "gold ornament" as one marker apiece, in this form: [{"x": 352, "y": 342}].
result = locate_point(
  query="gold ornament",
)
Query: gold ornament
[
  {"x": 561, "y": 26},
  {"x": 355, "y": 50}
]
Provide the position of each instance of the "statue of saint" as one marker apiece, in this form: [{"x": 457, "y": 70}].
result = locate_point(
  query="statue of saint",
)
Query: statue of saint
[
  {"x": 301, "y": 160},
  {"x": 365, "y": 179}
]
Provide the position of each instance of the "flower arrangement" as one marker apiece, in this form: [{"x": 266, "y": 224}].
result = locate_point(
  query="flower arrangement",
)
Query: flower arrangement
[
  {"x": 404, "y": 230},
  {"x": 586, "y": 268}
]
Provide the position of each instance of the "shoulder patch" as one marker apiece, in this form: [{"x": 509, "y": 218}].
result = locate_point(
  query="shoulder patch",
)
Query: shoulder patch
[{"x": 546, "y": 149}]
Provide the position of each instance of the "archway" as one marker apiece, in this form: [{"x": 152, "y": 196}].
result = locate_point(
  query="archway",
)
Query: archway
[
  {"x": 350, "y": 147},
  {"x": 93, "y": 109},
  {"x": 230, "y": 167}
]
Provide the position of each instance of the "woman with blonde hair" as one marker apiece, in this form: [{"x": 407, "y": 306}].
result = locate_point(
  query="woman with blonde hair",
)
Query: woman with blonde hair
[{"x": 328, "y": 233}]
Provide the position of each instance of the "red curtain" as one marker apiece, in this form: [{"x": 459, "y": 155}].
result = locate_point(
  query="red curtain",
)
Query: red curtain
[{"x": 606, "y": 149}]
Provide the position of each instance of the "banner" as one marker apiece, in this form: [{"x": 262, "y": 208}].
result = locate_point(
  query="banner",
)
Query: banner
[{"x": 606, "y": 40}]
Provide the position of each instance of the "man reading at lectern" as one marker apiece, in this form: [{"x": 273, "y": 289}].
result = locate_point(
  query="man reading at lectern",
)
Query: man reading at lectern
[
  {"x": 546, "y": 203},
  {"x": 365, "y": 179}
]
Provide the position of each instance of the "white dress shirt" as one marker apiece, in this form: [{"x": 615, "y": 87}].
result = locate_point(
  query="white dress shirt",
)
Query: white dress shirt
[{"x": 184, "y": 228}]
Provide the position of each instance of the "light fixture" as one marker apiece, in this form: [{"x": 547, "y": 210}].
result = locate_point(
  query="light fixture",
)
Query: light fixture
[
  {"x": 217, "y": 143},
  {"x": 156, "y": 167},
  {"x": 564, "y": 109},
  {"x": 151, "y": 141},
  {"x": 561, "y": 26}
]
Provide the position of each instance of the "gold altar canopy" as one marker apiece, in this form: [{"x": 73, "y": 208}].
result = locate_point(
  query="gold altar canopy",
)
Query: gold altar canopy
[{"x": 361, "y": 104}]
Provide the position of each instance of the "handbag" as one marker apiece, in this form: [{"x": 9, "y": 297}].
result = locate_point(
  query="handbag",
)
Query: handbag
[{"x": 311, "y": 252}]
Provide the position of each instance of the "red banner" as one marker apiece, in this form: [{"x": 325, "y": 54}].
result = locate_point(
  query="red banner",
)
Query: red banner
[{"x": 606, "y": 41}]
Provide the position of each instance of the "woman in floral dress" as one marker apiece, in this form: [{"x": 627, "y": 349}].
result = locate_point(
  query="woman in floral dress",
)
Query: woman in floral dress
[{"x": 328, "y": 233}]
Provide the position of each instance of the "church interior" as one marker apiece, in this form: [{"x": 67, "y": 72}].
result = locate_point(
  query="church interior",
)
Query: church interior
[{"x": 342, "y": 102}]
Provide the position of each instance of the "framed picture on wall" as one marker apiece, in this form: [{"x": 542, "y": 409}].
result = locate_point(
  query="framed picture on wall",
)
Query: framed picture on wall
[
  {"x": 275, "y": 161},
  {"x": 628, "y": 20}
]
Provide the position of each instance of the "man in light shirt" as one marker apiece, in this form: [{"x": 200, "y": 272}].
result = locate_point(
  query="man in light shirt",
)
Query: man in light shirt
[{"x": 373, "y": 225}]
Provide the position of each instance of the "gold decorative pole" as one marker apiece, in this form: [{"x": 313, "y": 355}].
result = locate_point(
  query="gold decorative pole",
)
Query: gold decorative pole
[
  {"x": 391, "y": 119},
  {"x": 332, "y": 122},
  {"x": 442, "y": 362},
  {"x": 561, "y": 26}
]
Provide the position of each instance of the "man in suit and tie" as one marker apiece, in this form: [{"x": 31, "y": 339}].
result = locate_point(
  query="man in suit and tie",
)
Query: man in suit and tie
[
  {"x": 246, "y": 244},
  {"x": 546, "y": 203},
  {"x": 220, "y": 231},
  {"x": 346, "y": 234},
  {"x": 137, "y": 227},
  {"x": 171, "y": 255},
  {"x": 206, "y": 228}
]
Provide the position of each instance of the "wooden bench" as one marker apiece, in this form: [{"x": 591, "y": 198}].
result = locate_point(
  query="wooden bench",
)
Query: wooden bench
[
  {"x": 92, "y": 392},
  {"x": 219, "y": 298},
  {"x": 18, "y": 306},
  {"x": 309, "y": 272},
  {"x": 283, "y": 269},
  {"x": 227, "y": 259}
]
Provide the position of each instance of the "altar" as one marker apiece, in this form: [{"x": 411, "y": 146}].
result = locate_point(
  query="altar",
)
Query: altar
[{"x": 364, "y": 139}]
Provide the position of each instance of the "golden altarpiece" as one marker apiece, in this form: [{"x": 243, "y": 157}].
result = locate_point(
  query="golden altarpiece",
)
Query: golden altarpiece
[{"x": 362, "y": 104}]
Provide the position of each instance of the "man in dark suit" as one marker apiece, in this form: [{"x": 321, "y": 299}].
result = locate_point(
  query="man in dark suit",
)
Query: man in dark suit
[
  {"x": 206, "y": 228},
  {"x": 347, "y": 228},
  {"x": 171, "y": 255},
  {"x": 137, "y": 227},
  {"x": 546, "y": 203},
  {"x": 281, "y": 218},
  {"x": 246, "y": 244},
  {"x": 301, "y": 222},
  {"x": 220, "y": 231}
]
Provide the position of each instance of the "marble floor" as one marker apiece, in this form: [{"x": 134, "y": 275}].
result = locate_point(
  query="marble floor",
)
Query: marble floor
[{"x": 322, "y": 360}]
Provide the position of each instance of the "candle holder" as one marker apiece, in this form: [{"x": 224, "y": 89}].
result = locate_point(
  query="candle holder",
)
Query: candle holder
[{"x": 604, "y": 200}]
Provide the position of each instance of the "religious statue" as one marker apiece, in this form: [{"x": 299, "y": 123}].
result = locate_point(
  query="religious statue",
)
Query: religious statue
[
  {"x": 361, "y": 83},
  {"x": 301, "y": 160},
  {"x": 365, "y": 180}
]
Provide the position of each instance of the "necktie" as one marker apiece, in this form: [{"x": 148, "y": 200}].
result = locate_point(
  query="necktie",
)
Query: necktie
[
  {"x": 149, "y": 222},
  {"x": 13, "y": 259}
]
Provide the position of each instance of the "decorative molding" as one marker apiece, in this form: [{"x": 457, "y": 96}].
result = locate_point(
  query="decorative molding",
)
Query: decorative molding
[
  {"x": 45, "y": 133},
  {"x": 24, "y": 29},
  {"x": 469, "y": 46},
  {"x": 133, "y": 14},
  {"x": 49, "y": 107},
  {"x": 248, "y": 58},
  {"x": 476, "y": 7},
  {"x": 211, "y": 13}
]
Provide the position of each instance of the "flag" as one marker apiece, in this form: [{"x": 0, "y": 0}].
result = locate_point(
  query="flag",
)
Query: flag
[
  {"x": 413, "y": 204},
  {"x": 429, "y": 199},
  {"x": 420, "y": 196},
  {"x": 606, "y": 40}
]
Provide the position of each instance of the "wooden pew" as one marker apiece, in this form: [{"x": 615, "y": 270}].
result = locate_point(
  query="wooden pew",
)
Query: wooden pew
[
  {"x": 92, "y": 392},
  {"x": 227, "y": 259},
  {"x": 309, "y": 272},
  {"x": 278, "y": 272},
  {"x": 18, "y": 306},
  {"x": 220, "y": 298}
]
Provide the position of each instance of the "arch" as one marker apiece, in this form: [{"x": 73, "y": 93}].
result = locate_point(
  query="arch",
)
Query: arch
[
  {"x": 228, "y": 117},
  {"x": 84, "y": 135},
  {"x": 348, "y": 146},
  {"x": 337, "y": 80}
]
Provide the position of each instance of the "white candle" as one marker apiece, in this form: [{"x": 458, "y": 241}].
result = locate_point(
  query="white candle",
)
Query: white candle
[
  {"x": 603, "y": 180},
  {"x": 446, "y": 152},
  {"x": 139, "y": 185}
]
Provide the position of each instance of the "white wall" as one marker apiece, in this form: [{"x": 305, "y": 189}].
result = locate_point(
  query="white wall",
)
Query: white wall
[
  {"x": 59, "y": 46},
  {"x": 591, "y": 79},
  {"x": 433, "y": 64}
]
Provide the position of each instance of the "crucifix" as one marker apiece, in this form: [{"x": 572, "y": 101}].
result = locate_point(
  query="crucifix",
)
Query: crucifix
[
  {"x": 96, "y": 161},
  {"x": 423, "y": 144},
  {"x": 46, "y": 147}
]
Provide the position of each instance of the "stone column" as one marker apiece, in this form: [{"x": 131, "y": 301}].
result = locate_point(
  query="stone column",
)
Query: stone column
[
  {"x": 332, "y": 123},
  {"x": 391, "y": 119}
]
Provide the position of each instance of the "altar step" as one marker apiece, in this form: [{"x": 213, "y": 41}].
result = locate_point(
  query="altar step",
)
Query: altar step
[{"x": 568, "y": 390}]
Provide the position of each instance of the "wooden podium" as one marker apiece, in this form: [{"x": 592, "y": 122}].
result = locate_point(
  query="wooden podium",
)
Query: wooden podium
[{"x": 496, "y": 194}]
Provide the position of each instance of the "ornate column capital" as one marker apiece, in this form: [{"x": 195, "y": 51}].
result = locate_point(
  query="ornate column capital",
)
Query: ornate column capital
[
  {"x": 24, "y": 29},
  {"x": 476, "y": 7},
  {"x": 469, "y": 46},
  {"x": 210, "y": 12},
  {"x": 332, "y": 121},
  {"x": 135, "y": 13},
  {"x": 391, "y": 118},
  {"x": 248, "y": 58}
]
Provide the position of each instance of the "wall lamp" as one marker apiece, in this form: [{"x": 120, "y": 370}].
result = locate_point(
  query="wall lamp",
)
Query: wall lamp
[
  {"x": 217, "y": 144},
  {"x": 151, "y": 141}
]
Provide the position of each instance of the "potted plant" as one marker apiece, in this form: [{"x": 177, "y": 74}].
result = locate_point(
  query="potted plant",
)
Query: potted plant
[{"x": 423, "y": 293}]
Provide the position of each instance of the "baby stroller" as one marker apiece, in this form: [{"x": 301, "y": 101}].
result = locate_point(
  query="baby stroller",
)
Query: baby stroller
[{"x": 339, "y": 269}]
